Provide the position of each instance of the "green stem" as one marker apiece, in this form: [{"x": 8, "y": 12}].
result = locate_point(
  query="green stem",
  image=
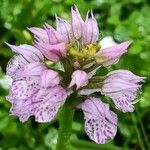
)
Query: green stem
[
  {"x": 65, "y": 123},
  {"x": 138, "y": 132},
  {"x": 143, "y": 130}
]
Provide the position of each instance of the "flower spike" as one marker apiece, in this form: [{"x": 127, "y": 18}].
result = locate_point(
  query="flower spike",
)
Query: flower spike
[{"x": 74, "y": 54}]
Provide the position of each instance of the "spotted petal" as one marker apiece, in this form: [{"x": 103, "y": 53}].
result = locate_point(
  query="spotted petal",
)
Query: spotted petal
[
  {"x": 27, "y": 81},
  {"x": 15, "y": 65},
  {"x": 122, "y": 86},
  {"x": 124, "y": 101},
  {"x": 22, "y": 108},
  {"x": 100, "y": 122},
  {"x": 23, "y": 89},
  {"x": 47, "y": 104},
  {"x": 122, "y": 94},
  {"x": 33, "y": 69}
]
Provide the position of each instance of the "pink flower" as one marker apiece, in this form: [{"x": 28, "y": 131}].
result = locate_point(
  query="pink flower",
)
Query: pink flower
[
  {"x": 79, "y": 78},
  {"x": 37, "y": 94},
  {"x": 54, "y": 43},
  {"x": 26, "y": 54},
  {"x": 35, "y": 89},
  {"x": 122, "y": 86},
  {"x": 111, "y": 55},
  {"x": 54, "y": 47},
  {"x": 76, "y": 56},
  {"x": 100, "y": 122}
]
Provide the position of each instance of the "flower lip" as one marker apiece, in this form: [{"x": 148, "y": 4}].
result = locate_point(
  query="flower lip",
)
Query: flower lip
[
  {"x": 100, "y": 122},
  {"x": 122, "y": 86}
]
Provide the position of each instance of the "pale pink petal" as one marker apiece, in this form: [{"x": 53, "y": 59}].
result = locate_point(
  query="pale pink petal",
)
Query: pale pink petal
[
  {"x": 124, "y": 100},
  {"x": 23, "y": 89},
  {"x": 15, "y": 65},
  {"x": 64, "y": 28},
  {"x": 79, "y": 78},
  {"x": 53, "y": 45},
  {"x": 52, "y": 55},
  {"x": 122, "y": 86},
  {"x": 77, "y": 23},
  {"x": 100, "y": 122},
  {"x": 22, "y": 108},
  {"x": 49, "y": 78},
  {"x": 54, "y": 36},
  {"x": 46, "y": 112},
  {"x": 26, "y": 82},
  {"x": 40, "y": 33},
  {"x": 90, "y": 31},
  {"x": 29, "y": 99},
  {"x": 52, "y": 52},
  {"x": 18, "y": 68},
  {"x": 117, "y": 85},
  {"x": 111, "y": 55},
  {"x": 33, "y": 69},
  {"x": 59, "y": 48},
  {"x": 48, "y": 103},
  {"x": 125, "y": 75},
  {"x": 28, "y": 52}
]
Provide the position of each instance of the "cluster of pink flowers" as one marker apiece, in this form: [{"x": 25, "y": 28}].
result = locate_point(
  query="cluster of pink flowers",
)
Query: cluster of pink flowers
[{"x": 39, "y": 89}]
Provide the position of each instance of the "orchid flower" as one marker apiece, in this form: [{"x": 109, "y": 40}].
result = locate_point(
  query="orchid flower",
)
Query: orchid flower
[{"x": 39, "y": 90}]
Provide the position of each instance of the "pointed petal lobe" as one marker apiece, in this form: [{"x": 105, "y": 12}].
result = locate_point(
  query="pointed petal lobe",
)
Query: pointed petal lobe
[
  {"x": 77, "y": 23},
  {"x": 64, "y": 28},
  {"x": 28, "y": 52},
  {"x": 111, "y": 55},
  {"x": 79, "y": 78},
  {"x": 90, "y": 31}
]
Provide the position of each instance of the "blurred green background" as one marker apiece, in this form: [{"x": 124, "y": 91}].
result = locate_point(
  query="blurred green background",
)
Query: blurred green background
[{"x": 120, "y": 19}]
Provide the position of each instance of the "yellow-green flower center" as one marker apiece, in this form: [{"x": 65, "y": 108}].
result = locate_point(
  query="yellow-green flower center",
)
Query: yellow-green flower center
[{"x": 82, "y": 53}]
